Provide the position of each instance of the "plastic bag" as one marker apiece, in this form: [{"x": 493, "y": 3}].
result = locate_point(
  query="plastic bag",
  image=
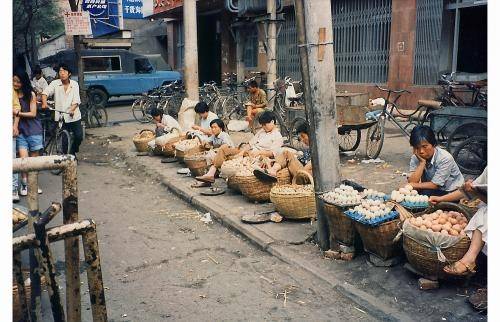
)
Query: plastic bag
[
  {"x": 435, "y": 241},
  {"x": 187, "y": 114},
  {"x": 237, "y": 125}
]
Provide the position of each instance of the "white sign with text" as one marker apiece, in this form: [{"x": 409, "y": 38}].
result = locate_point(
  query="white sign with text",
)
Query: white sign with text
[{"x": 77, "y": 23}]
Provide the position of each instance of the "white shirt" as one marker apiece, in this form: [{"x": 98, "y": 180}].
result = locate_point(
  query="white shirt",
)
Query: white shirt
[
  {"x": 271, "y": 141},
  {"x": 205, "y": 123},
  {"x": 39, "y": 84},
  {"x": 64, "y": 99},
  {"x": 170, "y": 123}
]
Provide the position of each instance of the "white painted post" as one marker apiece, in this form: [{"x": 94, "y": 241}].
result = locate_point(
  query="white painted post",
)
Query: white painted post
[
  {"x": 271, "y": 49},
  {"x": 190, "y": 50}
]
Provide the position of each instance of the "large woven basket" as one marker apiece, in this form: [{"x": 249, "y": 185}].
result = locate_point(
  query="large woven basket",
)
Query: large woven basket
[
  {"x": 233, "y": 183},
  {"x": 197, "y": 164},
  {"x": 298, "y": 205},
  {"x": 258, "y": 190},
  {"x": 379, "y": 240},
  {"x": 341, "y": 227},
  {"x": 168, "y": 148},
  {"x": 141, "y": 140},
  {"x": 180, "y": 155},
  {"x": 425, "y": 260}
]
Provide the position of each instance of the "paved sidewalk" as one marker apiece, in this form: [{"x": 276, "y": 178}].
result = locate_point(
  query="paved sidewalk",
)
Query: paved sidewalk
[{"x": 385, "y": 293}]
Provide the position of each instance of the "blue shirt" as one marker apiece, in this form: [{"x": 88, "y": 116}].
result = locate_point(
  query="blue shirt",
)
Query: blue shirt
[{"x": 442, "y": 170}]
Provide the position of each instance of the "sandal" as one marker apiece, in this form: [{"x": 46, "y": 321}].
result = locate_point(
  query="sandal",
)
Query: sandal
[
  {"x": 205, "y": 179},
  {"x": 453, "y": 269},
  {"x": 479, "y": 299},
  {"x": 264, "y": 175},
  {"x": 201, "y": 185}
]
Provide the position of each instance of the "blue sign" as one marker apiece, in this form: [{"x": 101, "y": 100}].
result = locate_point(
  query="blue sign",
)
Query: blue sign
[
  {"x": 104, "y": 16},
  {"x": 96, "y": 8},
  {"x": 132, "y": 9}
]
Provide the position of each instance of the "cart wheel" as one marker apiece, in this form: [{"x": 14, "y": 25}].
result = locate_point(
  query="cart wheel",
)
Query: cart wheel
[
  {"x": 349, "y": 140},
  {"x": 472, "y": 155},
  {"x": 375, "y": 139},
  {"x": 463, "y": 132}
]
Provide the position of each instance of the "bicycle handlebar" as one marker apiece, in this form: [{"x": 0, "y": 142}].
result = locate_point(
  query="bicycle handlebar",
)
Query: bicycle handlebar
[{"x": 396, "y": 91}]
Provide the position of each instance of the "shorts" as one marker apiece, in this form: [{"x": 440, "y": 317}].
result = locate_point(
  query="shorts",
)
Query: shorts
[{"x": 31, "y": 143}]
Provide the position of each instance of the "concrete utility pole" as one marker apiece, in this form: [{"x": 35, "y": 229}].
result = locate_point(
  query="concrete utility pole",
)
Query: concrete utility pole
[
  {"x": 271, "y": 48},
  {"x": 315, "y": 37},
  {"x": 78, "y": 52},
  {"x": 191, "y": 50},
  {"x": 240, "y": 62}
]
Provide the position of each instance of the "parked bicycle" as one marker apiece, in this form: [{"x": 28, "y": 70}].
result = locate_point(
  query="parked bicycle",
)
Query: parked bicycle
[
  {"x": 94, "y": 115},
  {"x": 57, "y": 140}
]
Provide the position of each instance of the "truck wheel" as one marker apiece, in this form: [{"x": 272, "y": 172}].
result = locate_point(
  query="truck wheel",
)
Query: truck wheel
[{"x": 98, "y": 96}]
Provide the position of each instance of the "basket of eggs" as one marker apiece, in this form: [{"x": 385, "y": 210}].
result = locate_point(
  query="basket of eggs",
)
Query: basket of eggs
[
  {"x": 142, "y": 138},
  {"x": 187, "y": 147},
  {"x": 294, "y": 201},
  {"x": 435, "y": 238}
]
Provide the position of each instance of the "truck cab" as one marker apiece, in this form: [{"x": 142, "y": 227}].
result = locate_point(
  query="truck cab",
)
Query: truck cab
[{"x": 113, "y": 72}]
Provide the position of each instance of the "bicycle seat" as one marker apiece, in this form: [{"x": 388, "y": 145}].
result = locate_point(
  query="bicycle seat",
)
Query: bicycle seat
[{"x": 430, "y": 104}]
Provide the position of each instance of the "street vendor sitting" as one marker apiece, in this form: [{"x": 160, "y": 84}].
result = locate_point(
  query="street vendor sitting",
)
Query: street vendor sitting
[
  {"x": 206, "y": 116},
  {"x": 257, "y": 102},
  {"x": 267, "y": 142},
  {"x": 166, "y": 127},
  {"x": 288, "y": 159},
  {"x": 219, "y": 135},
  {"x": 433, "y": 171},
  {"x": 476, "y": 230}
]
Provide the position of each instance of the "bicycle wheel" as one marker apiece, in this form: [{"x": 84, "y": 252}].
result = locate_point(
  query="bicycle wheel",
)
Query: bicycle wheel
[
  {"x": 349, "y": 139},
  {"x": 218, "y": 108},
  {"x": 60, "y": 145},
  {"x": 293, "y": 136},
  {"x": 162, "y": 105},
  {"x": 98, "y": 116},
  {"x": 471, "y": 155},
  {"x": 138, "y": 111},
  {"x": 375, "y": 139},
  {"x": 233, "y": 109},
  {"x": 174, "y": 104},
  {"x": 463, "y": 132}
]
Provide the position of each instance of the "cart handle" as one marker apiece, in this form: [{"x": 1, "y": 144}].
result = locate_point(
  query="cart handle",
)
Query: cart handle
[{"x": 396, "y": 91}]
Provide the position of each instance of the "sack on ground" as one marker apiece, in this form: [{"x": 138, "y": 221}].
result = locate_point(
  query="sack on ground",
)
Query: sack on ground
[
  {"x": 187, "y": 114},
  {"x": 237, "y": 125}
]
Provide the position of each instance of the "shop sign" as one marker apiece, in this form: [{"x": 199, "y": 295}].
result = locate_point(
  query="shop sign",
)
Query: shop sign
[
  {"x": 166, "y": 5},
  {"x": 77, "y": 23},
  {"x": 132, "y": 9}
]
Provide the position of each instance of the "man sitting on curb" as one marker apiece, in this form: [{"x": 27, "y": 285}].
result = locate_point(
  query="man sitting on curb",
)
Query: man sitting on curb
[
  {"x": 267, "y": 142},
  {"x": 288, "y": 159},
  {"x": 257, "y": 103}
]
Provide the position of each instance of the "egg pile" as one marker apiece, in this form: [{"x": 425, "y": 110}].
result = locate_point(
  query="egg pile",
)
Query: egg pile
[
  {"x": 372, "y": 209},
  {"x": 343, "y": 196},
  {"x": 293, "y": 189},
  {"x": 185, "y": 145},
  {"x": 373, "y": 194},
  {"x": 409, "y": 197},
  {"x": 443, "y": 222}
]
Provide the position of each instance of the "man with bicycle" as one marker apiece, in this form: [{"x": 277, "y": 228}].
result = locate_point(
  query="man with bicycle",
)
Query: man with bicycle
[{"x": 66, "y": 94}]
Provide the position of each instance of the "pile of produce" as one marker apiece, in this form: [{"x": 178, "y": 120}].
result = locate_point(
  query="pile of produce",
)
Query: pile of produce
[
  {"x": 373, "y": 194},
  {"x": 186, "y": 145},
  {"x": 343, "y": 196},
  {"x": 442, "y": 222},
  {"x": 293, "y": 189},
  {"x": 409, "y": 197},
  {"x": 17, "y": 216},
  {"x": 145, "y": 135}
]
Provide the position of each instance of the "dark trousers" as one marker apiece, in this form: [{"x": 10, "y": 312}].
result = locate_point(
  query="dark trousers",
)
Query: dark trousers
[
  {"x": 433, "y": 192},
  {"x": 77, "y": 130}
]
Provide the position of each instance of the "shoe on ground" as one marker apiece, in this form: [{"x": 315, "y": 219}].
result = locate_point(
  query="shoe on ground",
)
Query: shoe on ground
[
  {"x": 24, "y": 190},
  {"x": 15, "y": 196}
]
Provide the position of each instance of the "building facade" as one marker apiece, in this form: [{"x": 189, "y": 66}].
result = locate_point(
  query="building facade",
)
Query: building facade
[{"x": 394, "y": 43}]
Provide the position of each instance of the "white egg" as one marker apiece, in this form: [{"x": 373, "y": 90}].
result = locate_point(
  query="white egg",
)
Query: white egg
[
  {"x": 376, "y": 202},
  {"x": 408, "y": 187},
  {"x": 399, "y": 199},
  {"x": 414, "y": 192}
]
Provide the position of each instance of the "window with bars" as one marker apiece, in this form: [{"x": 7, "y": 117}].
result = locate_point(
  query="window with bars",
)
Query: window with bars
[
  {"x": 427, "y": 42},
  {"x": 288, "y": 59},
  {"x": 180, "y": 45},
  {"x": 251, "y": 46}
]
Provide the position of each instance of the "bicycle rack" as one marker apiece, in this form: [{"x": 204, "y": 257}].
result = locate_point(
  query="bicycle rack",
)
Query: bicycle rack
[{"x": 37, "y": 241}]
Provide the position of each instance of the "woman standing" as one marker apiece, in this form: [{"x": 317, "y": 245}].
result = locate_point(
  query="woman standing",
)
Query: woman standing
[{"x": 30, "y": 138}]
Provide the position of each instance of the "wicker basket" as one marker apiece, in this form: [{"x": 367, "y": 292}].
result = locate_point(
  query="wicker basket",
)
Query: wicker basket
[
  {"x": 168, "y": 149},
  {"x": 423, "y": 259},
  {"x": 141, "y": 143},
  {"x": 297, "y": 205},
  {"x": 197, "y": 164},
  {"x": 341, "y": 227},
  {"x": 180, "y": 155},
  {"x": 233, "y": 183},
  {"x": 379, "y": 240},
  {"x": 258, "y": 190}
]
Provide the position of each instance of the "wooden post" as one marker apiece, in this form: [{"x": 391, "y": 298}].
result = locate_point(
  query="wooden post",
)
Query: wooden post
[
  {"x": 191, "y": 80},
  {"x": 315, "y": 37},
  {"x": 36, "y": 289}
]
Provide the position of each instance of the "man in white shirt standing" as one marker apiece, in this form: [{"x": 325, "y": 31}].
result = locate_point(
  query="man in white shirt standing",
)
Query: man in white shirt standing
[
  {"x": 66, "y": 94},
  {"x": 38, "y": 82}
]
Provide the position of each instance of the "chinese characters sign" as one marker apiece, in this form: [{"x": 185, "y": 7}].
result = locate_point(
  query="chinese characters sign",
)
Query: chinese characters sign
[
  {"x": 77, "y": 23},
  {"x": 96, "y": 8},
  {"x": 132, "y": 9},
  {"x": 166, "y": 5}
]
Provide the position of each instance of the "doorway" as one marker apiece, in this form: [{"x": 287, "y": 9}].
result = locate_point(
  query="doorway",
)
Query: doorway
[{"x": 209, "y": 49}]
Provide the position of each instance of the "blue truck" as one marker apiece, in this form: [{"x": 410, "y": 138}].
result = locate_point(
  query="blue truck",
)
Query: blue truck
[{"x": 113, "y": 72}]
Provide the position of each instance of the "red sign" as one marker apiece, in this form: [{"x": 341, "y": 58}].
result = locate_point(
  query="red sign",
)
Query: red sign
[{"x": 166, "y": 5}]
